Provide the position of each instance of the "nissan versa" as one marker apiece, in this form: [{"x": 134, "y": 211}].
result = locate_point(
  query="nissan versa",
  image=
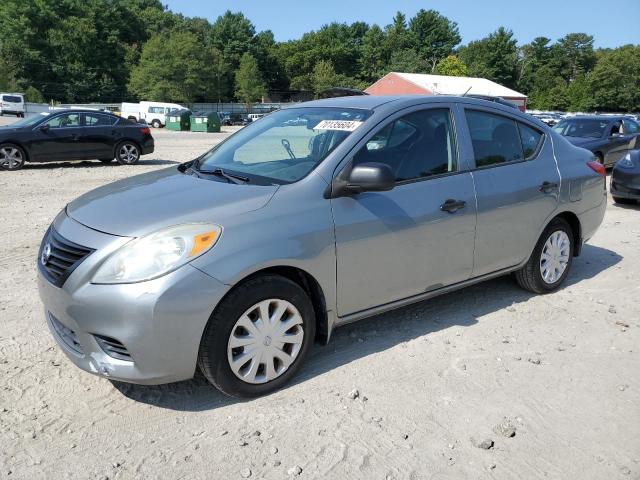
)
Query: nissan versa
[{"x": 312, "y": 217}]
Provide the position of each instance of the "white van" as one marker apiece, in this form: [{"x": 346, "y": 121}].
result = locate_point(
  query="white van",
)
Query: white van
[
  {"x": 12, "y": 103},
  {"x": 155, "y": 112},
  {"x": 130, "y": 111}
]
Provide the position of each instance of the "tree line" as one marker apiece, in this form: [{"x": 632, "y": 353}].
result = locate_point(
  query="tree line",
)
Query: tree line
[{"x": 77, "y": 51}]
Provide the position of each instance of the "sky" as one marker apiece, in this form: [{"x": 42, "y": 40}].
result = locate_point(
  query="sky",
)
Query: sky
[{"x": 612, "y": 23}]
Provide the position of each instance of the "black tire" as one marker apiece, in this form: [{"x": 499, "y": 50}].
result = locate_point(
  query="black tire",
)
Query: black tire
[
  {"x": 599, "y": 158},
  {"x": 12, "y": 157},
  {"x": 127, "y": 153},
  {"x": 106, "y": 160},
  {"x": 156, "y": 123},
  {"x": 212, "y": 357},
  {"x": 530, "y": 277}
]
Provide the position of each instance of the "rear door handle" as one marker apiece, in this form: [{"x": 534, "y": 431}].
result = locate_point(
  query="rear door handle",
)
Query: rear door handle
[
  {"x": 546, "y": 187},
  {"x": 75, "y": 137},
  {"x": 452, "y": 206}
]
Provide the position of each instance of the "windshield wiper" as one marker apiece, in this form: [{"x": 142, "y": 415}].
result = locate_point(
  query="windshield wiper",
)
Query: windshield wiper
[{"x": 230, "y": 177}]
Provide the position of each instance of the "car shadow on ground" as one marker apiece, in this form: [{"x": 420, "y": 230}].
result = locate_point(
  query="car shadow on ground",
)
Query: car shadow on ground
[
  {"x": 95, "y": 164},
  {"x": 462, "y": 308},
  {"x": 628, "y": 206}
]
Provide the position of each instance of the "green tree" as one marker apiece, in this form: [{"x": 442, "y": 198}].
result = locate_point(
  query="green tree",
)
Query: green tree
[
  {"x": 232, "y": 34},
  {"x": 324, "y": 76},
  {"x": 32, "y": 94},
  {"x": 373, "y": 57},
  {"x": 493, "y": 57},
  {"x": 451, "y": 66},
  {"x": 578, "y": 54},
  {"x": 614, "y": 82},
  {"x": 407, "y": 61},
  {"x": 434, "y": 36},
  {"x": 72, "y": 50},
  {"x": 175, "y": 67},
  {"x": 250, "y": 86}
]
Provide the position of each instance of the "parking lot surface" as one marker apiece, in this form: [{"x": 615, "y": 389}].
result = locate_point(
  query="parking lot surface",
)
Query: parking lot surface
[{"x": 430, "y": 391}]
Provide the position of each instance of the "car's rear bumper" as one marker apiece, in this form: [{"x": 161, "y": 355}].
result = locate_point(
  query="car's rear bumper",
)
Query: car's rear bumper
[{"x": 147, "y": 146}]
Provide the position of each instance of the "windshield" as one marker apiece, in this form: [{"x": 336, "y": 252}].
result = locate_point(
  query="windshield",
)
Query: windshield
[
  {"x": 285, "y": 146},
  {"x": 584, "y": 128},
  {"x": 25, "y": 122}
]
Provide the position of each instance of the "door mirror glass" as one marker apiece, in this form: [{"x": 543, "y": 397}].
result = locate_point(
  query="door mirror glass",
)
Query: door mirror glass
[{"x": 371, "y": 177}]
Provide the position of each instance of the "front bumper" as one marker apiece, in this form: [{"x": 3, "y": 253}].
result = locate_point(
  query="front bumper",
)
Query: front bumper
[
  {"x": 625, "y": 183},
  {"x": 156, "y": 326}
]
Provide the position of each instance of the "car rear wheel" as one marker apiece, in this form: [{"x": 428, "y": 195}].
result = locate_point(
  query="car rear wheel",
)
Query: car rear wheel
[
  {"x": 127, "y": 153},
  {"x": 551, "y": 259},
  {"x": 156, "y": 124},
  {"x": 12, "y": 157},
  {"x": 258, "y": 337}
]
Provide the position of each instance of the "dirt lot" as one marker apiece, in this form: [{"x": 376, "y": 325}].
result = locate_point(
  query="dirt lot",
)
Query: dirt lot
[{"x": 434, "y": 380}]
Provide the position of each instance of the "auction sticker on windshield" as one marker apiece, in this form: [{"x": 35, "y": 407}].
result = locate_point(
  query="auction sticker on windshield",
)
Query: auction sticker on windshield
[{"x": 342, "y": 125}]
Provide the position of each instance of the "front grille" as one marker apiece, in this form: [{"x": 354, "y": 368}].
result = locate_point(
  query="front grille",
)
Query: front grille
[
  {"x": 58, "y": 257},
  {"x": 113, "y": 348},
  {"x": 66, "y": 335}
]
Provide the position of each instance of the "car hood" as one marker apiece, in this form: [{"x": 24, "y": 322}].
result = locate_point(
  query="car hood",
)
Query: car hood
[
  {"x": 145, "y": 203},
  {"x": 583, "y": 142}
]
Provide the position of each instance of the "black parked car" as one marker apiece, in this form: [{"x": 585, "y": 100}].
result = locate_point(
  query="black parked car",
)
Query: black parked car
[
  {"x": 73, "y": 135},
  {"x": 625, "y": 178},
  {"x": 608, "y": 137},
  {"x": 237, "y": 119}
]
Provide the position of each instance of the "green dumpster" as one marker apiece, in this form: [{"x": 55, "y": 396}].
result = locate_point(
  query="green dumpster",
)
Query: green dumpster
[
  {"x": 178, "y": 120},
  {"x": 205, "y": 122}
]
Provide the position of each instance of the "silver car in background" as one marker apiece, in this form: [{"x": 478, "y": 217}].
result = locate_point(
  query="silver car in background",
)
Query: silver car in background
[{"x": 312, "y": 217}]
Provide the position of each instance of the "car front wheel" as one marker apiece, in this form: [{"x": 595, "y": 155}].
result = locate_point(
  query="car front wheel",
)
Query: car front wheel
[
  {"x": 551, "y": 259},
  {"x": 156, "y": 124},
  {"x": 258, "y": 337},
  {"x": 127, "y": 153},
  {"x": 12, "y": 157}
]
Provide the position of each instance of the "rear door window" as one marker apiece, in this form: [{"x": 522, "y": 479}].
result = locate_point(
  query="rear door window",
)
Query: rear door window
[
  {"x": 630, "y": 126},
  {"x": 495, "y": 138},
  {"x": 98, "y": 120}
]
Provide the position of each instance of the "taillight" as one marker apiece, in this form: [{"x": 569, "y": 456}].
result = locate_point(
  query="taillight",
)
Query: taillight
[
  {"x": 145, "y": 130},
  {"x": 598, "y": 168}
]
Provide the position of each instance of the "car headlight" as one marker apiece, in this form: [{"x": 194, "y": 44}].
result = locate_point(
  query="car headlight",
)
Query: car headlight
[
  {"x": 626, "y": 162},
  {"x": 158, "y": 253}
]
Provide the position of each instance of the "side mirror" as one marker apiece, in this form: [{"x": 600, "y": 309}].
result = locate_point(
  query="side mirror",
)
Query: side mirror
[
  {"x": 366, "y": 177},
  {"x": 371, "y": 177},
  {"x": 44, "y": 128}
]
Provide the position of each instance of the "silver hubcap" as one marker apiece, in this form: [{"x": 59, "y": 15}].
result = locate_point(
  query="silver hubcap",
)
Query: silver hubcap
[
  {"x": 128, "y": 153},
  {"x": 10, "y": 157},
  {"x": 555, "y": 256},
  {"x": 265, "y": 341}
]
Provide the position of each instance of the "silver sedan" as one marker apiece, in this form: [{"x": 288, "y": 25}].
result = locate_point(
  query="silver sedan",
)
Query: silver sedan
[{"x": 309, "y": 218}]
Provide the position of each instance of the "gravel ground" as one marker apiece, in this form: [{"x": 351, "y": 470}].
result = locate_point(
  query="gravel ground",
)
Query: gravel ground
[{"x": 488, "y": 382}]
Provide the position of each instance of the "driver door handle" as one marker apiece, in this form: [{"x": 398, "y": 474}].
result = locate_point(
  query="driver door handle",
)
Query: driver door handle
[
  {"x": 75, "y": 137},
  {"x": 452, "y": 206}
]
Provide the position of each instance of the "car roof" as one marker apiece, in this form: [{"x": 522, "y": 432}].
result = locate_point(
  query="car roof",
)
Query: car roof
[
  {"x": 77, "y": 110},
  {"x": 372, "y": 102},
  {"x": 397, "y": 102}
]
